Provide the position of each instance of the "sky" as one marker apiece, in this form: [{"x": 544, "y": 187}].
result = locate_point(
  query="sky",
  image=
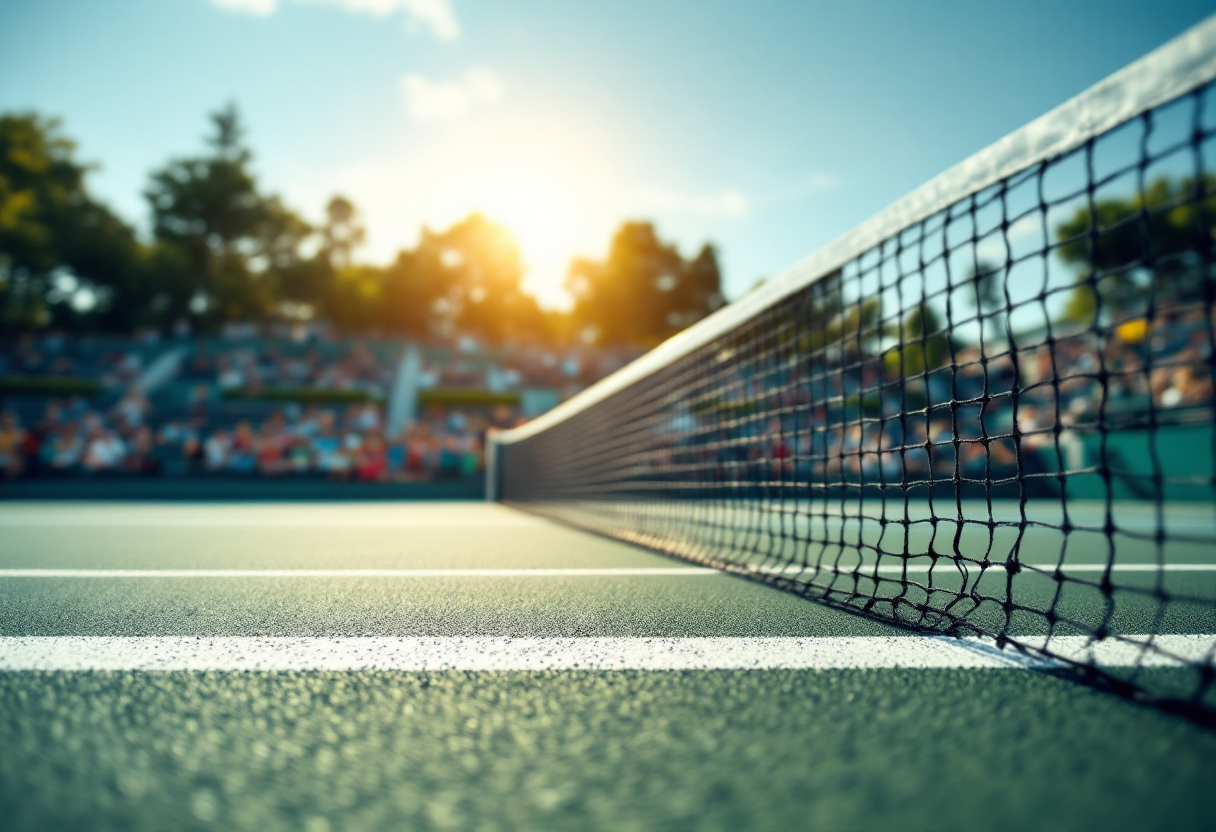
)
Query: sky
[{"x": 765, "y": 128}]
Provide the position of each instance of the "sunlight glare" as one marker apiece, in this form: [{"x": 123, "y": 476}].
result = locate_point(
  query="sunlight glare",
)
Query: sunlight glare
[{"x": 528, "y": 180}]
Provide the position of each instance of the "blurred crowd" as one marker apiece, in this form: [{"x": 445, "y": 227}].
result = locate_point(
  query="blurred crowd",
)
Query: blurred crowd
[
  {"x": 239, "y": 403},
  {"x": 111, "y": 362},
  {"x": 71, "y": 438},
  {"x": 861, "y": 422},
  {"x": 261, "y": 365},
  {"x": 210, "y": 415}
]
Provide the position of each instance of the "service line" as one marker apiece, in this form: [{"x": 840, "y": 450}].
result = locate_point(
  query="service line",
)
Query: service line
[
  {"x": 944, "y": 567},
  {"x": 681, "y": 571},
  {"x": 267, "y": 521}
]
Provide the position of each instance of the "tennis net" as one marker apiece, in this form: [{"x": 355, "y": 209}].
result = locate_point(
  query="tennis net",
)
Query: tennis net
[{"x": 988, "y": 411}]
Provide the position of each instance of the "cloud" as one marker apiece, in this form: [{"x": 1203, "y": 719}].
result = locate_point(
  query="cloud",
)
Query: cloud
[
  {"x": 728, "y": 203},
  {"x": 433, "y": 101},
  {"x": 435, "y": 15}
]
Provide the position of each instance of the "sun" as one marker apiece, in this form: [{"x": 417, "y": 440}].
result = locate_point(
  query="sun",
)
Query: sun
[
  {"x": 540, "y": 186},
  {"x": 534, "y": 204}
]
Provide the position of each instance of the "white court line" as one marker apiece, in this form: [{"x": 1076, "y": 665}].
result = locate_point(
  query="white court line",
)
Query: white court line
[
  {"x": 680, "y": 571},
  {"x": 72, "y": 653},
  {"x": 356, "y": 573},
  {"x": 946, "y": 565},
  {"x": 271, "y": 522}
]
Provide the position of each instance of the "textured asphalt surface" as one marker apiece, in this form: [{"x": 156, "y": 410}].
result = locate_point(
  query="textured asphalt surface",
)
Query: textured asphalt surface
[{"x": 778, "y": 749}]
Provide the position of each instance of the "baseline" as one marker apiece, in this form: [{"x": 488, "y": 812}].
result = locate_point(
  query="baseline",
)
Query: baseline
[{"x": 105, "y": 653}]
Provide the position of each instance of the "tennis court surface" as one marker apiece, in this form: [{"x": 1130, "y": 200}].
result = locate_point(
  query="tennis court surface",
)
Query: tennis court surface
[{"x": 248, "y": 682}]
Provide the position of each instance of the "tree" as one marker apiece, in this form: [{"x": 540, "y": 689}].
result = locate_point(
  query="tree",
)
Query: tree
[
  {"x": 986, "y": 280},
  {"x": 406, "y": 297},
  {"x": 237, "y": 241},
  {"x": 65, "y": 259},
  {"x": 471, "y": 275},
  {"x": 464, "y": 280},
  {"x": 858, "y": 327},
  {"x": 643, "y": 292},
  {"x": 923, "y": 346},
  {"x": 343, "y": 231},
  {"x": 1150, "y": 242}
]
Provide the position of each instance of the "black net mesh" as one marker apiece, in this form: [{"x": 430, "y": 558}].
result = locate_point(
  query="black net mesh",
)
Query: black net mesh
[{"x": 996, "y": 423}]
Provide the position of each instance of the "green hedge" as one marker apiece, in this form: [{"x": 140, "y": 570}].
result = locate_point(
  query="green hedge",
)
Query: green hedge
[
  {"x": 466, "y": 397},
  {"x": 49, "y": 386},
  {"x": 309, "y": 395}
]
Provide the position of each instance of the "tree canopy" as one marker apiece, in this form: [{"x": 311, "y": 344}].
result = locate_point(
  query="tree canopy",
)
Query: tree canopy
[
  {"x": 643, "y": 291},
  {"x": 222, "y": 248},
  {"x": 63, "y": 255},
  {"x": 1124, "y": 248},
  {"x": 236, "y": 242}
]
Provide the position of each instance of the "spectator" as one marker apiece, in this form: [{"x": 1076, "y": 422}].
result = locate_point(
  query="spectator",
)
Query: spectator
[
  {"x": 12, "y": 441},
  {"x": 104, "y": 451},
  {"x": 132, "y": 408},
  {"x": 216, "y": 450}
]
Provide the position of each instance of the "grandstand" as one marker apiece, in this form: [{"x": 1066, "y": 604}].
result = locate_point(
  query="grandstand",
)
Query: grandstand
[{"x": 267, "y": 404}]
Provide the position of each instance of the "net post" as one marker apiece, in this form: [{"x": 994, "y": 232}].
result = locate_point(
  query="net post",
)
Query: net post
[{"x": 491, "y": 465}]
